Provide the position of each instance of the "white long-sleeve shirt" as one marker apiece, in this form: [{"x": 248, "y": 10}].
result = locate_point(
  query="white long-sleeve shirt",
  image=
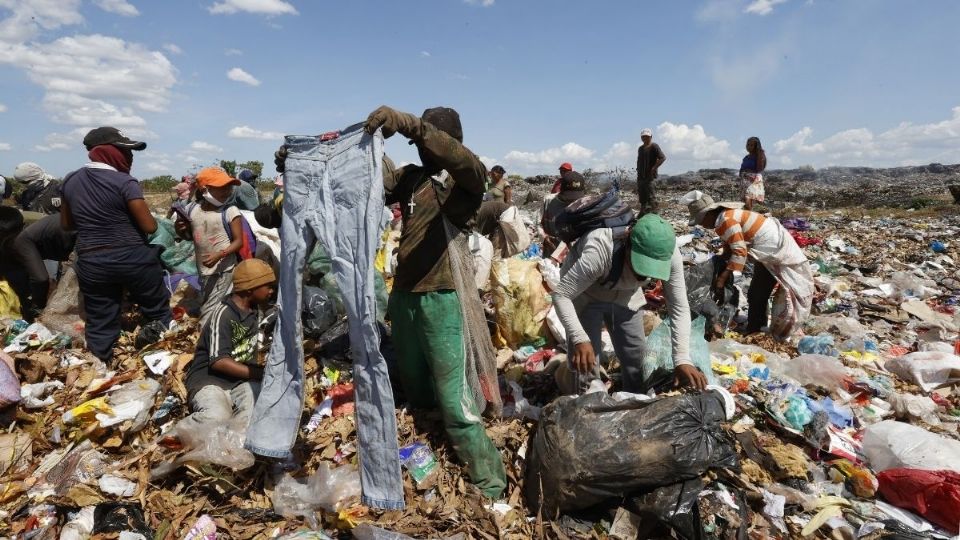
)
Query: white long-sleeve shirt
[{"x": 588, "y": 265}]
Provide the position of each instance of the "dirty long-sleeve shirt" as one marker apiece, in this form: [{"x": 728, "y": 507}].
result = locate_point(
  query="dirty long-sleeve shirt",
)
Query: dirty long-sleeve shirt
[
  {"x": 737, "y": 229},
  {"x": 581, "y": 276},
  {"x": 456, "y": 193}
]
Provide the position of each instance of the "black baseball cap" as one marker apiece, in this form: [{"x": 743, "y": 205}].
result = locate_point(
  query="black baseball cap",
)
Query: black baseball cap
[
  {"x": 111, "y": 135},
  {"x": 445, "y": 119}
]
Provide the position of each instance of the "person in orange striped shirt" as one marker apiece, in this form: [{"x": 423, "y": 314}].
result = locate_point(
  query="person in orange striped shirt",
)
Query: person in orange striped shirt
[{"x": 777, "y": 257}]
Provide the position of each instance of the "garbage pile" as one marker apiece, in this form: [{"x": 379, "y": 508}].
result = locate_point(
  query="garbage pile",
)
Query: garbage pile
[{"x": 851, "y": 432}]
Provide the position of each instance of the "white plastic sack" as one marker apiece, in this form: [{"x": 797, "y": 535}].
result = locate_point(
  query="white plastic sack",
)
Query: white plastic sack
[
  {"x": 512, "y": 236},
  {"x": 892, "y": 445},
  {"x": 556, "y": 327},
  {"x": 482, "y": 250},
  {"x": 929, "y": 370}
]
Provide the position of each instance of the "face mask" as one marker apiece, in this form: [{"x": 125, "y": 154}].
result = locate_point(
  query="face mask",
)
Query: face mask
[{"x": 211, "y": 199}]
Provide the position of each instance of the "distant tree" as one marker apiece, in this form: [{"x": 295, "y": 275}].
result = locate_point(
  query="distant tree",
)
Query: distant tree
[
  {"x": 159, "y": 183},
  {"x": 229, "y": 166},
  {"x": 256, "y": 167}
]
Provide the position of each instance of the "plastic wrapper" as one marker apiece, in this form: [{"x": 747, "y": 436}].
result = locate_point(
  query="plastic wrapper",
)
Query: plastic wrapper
[
  {"x": 136, "y": 398},
  {"x": 217, "y": 443},
  {"x": 895, "y": 445},
  {"x": 421, "y": 463},
  {"x": 325, "y": 489},
  {"x": 319, "y": 311},
  {"x": 596, "y": 446},
  {"x": 512, "y": 236},
  {"x": 935, "y": 495},
  {"x": 929, "y": 370},
  {"x": 482, "y": 250},
  {"x": 660, "y": 351},
  {"x": 82, "y": 465},
  {"x": 204, "y": 529},
  {"x": 9, "y": 382},
  {"x": 79, "y": 525},
  {"x": 521, "y": 302}
]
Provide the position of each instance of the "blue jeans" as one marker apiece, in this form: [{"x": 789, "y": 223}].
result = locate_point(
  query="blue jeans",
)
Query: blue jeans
[{"x": 334, "y": 194}]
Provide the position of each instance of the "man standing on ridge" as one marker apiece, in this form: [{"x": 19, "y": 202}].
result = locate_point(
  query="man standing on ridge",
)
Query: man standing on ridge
[{"x": 649, "y": 159}]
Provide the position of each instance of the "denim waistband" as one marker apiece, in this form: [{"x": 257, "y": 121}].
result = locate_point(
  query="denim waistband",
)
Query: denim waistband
[{"x": 315, "y": 147}]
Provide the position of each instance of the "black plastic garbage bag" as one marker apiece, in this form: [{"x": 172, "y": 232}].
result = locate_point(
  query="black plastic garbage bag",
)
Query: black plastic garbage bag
[
  {"x": 674, "y": 506},
  {"x": 596, "y": 446},
  {"x": 319, "y": 311},
  {"x": 699, "y": 279}
]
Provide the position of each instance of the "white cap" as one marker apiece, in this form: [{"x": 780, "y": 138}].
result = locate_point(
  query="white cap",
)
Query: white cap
[{"x": 646, "y": 132}]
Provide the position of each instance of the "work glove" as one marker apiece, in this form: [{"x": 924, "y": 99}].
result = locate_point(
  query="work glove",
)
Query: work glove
[
  {"x": 280, "y": 158},
  {"x": 391, "y": 121}
]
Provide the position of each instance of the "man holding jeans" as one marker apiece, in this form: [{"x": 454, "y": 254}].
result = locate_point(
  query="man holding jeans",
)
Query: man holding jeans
[{"x": 428, "y": 329}]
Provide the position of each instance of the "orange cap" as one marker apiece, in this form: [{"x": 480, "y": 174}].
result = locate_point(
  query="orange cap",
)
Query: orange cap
[{"x": 215, "y": 177}]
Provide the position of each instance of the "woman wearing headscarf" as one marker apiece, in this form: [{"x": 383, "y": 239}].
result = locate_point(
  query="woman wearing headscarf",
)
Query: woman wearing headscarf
[
  {"x": 777, "y": 257},
  {"x": 105, "y": 205},
  {"x": 751, "y": 173},
  {"x": 42, "y": 190}
]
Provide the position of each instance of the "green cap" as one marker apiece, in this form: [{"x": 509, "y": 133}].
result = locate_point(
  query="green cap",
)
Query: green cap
[{"x": 652, "y": 242}]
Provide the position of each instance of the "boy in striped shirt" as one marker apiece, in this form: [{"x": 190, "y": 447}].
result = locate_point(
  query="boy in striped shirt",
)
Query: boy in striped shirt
[{"x": 778, "y": 258}]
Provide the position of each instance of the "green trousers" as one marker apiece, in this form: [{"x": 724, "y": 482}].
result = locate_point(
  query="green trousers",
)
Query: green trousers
[{"x": 428, "y": 338}]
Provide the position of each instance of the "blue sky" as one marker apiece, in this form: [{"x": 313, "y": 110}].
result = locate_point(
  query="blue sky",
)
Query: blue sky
[{"x": 537, "y": 82}]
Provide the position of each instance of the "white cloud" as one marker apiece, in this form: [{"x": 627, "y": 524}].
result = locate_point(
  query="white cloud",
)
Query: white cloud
[
  {"x": 233, "y": 52},
  {"x": 88, "y": 80},
  {"x": 120, "y": 7},
  {"x": 5, "y": 147},
  {"x": 551, "y": 156},
  {"x": 3, "y": 108},
  {"x": 51, "y": 147},
  {"x": 488, "y": 162},
  {"x": 202, "y": 146},
  {"x": 172, "y": 48},
  {"x": 484, "y": 3},
  {"x": 247, "y": 132},
  {"x": 29, "y": 17},
  {"x": 691, "y": 147},
  {"x": 762, "y": 7},
  {"x": 425, "y": 54},
  {"x": 239, "y": 75},
  {"x": 264, "y": 7},
  {"x": 905, "y": 144},
  {"x": 739, "y": 74}
]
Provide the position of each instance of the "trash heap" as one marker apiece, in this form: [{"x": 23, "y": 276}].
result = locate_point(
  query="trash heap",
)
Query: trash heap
[{"x": 851, "y": 432}]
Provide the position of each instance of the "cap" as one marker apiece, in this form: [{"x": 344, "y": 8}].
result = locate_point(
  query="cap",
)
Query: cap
[
  {"x": 4, "y": 193},
  {"x": 215, "y": 177},
  {"x": 252, "y": 273},
  {"x": 248, "y": 176},
  {"x": 498, "y": 169},
  {"x": 646, "y": 132},
  {"x": 652, "y": 243},
  {"x": 566, "y": 167},
  {"x": 571, "y": 186},
  {"x": 111, "y": 135},
  {"x": 698, "y": 204},
  {"x": 446, "y": 120}
]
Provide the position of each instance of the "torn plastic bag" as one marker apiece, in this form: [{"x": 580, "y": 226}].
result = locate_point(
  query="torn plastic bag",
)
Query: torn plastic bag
[
  {"x": 521, "y": 302},
  {"x": 935, "y": 495},
  {"x": 64, "y": 312},
  {"x": 213, "y": 442},
  {"x": 660, "y": 350},
  {"x": 674, "y": 505},
  {"x": 929, "y": 370},
  {"x": 894, "y": 445},
  {"x": 137, "y": 397},
  {"x": 596, "y": 446},
  {"x": 325, "y": 489},
  {"x": 319, "y": 311},
  {"x": 816, "y": 369},
  {"x": 120, "y": 517},
  {"x": 699, "y": 279}
]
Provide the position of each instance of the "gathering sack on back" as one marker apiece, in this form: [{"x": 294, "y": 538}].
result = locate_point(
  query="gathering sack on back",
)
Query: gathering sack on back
[
  {"x": 606, "y": 210},
  {"x": 249, "y": 248}
]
